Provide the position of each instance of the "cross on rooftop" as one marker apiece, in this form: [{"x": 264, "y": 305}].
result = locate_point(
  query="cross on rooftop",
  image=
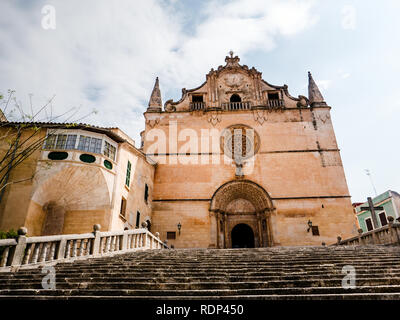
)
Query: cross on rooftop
[
  {"x": 372, "y": 209},
  {"x": 231, "y": 53}
]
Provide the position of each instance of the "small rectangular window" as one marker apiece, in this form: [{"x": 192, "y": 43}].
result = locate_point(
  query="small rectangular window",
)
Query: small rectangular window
[
  {"x": 146, "y": 192},
  {"x": 109, "y": 150},
  {"x": 273, "y": 96},
  {"x": 123, "y": 207},
  {"x": 137, "y": 219},
  {"x": 315, "y": 230},
  {"x": 61, "y": 141},
  {"x": 197, "y": 98},
  {"x": 84, "y": 143},
  {"x": 90, "y": 144},
  {"x": 50, "y": 141},
  {"x": 128, "y": 174},
  {"x": 382, "y": 217},
  {"x": 171, "y": 235},
  {"x": 71, "y": 141},
  {"x": 368, "y": 223}
]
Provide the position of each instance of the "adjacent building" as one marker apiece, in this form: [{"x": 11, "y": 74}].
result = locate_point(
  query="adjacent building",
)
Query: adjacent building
[{"x": 388, "y": 204}]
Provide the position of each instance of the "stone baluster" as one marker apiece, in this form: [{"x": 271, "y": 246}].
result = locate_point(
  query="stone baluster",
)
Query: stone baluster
[
  {"x": 158, "y": 240},
  {"x": 96, "y": 242},
  {"x": 52, "y": 251},
  {"x": 27, "y": 253},
  {"x": 36, "y": 250},
  {"x": 61, "y": 250},
  {"x": 74, "y": 247},
  {"x": 390, "y": 230},
  {"x": 125, "y": 240},
  {"x": 360, "y": 239},
  {"x": 4, "y": 257},
  {"x": 88, "y": 247},
  {"x": 43, "y": 253},
  {"x": 118, "y": 244},
  {"x": 19, "y": 250},
  {"x": 107, "y": 245},
  {"x": 68, "y": 249},
  {"x": 114, "y": 243},
  {"x": 81, "y": 247}
]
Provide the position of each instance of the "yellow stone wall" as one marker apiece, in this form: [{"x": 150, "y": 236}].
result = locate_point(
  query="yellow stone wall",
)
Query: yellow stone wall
[{"x": 298, "y": 164}]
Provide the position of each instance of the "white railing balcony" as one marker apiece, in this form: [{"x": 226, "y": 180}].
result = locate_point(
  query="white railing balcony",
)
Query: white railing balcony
[{"x": 35, "y": 251}]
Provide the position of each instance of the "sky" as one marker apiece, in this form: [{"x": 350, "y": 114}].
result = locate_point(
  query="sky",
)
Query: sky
[{"x": 104, "y": 56}]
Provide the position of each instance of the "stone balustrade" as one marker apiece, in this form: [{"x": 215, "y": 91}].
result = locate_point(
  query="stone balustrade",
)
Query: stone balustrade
[
  {"x": 389, "y": 234},
  {"x": 195, "y": 106},
  {"x": 275, "y": 103},
  {"x": 25, "y": 251},
  {"x": 236, "y": 106}
]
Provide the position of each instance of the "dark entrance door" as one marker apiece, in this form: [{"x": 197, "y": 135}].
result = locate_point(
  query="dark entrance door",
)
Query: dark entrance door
[{"x": 242, "y": 236}]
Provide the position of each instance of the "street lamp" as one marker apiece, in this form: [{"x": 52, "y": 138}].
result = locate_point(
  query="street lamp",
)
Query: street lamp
[
  {"x": 309, "y": 225},
  {"x": 179, "y": 228}
]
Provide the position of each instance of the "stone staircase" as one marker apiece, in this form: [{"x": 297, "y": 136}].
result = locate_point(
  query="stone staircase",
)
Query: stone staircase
[{"x": 186, "y": 274}]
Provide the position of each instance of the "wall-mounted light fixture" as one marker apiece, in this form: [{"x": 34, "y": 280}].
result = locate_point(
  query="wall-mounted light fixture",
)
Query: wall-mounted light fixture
[
  {"x": 309, "y": 223},
  {"x": 179, "y": 228}
]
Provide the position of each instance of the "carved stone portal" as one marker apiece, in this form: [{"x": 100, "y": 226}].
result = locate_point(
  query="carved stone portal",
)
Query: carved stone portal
[{"x": 241, "y": 203}]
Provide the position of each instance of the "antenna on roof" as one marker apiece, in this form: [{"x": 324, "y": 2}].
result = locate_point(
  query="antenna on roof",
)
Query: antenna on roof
[{"x": 368, "y": 173}]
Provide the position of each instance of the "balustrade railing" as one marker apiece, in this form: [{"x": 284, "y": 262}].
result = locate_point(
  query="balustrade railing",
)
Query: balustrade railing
[
  {"x": 236, "y": 106},
  {"x": 389, "y": 234},
  {"x": 275, "y": 103},
  {"x": 25, "y": 251},
  {"x": 195, "y": 106}
]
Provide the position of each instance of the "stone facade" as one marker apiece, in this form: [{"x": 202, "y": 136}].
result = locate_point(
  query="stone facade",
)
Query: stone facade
[
  {"x": 294, "y": 175},
  {"x": 235, "y": 162}
]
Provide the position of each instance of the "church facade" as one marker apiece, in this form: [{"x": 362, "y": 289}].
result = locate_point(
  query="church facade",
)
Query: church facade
[
  {"x": 236, "y": 162},
  {"x": 285, "y": 185}
]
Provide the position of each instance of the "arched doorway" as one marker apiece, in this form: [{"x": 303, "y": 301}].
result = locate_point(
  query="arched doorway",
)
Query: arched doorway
[
  {"x": 235, "y": 98},
  {"x": 242, "y": 236},
  {"x": 241, "y": 202}
]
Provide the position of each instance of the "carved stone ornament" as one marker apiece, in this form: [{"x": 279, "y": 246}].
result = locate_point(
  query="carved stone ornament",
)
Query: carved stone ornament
[
  {"x": 234, "y": 81},
  {"x": 152, "y": 122},
  {"x": 323, "y": 118},
  {"x": 214, "y": 117},
  {"x": 260, "y": 116}
]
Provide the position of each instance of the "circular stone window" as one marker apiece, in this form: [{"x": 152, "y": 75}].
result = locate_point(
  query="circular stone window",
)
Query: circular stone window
[
  {"x": 239, "y": 142},
  {"x": 88, "y": 158},
  {"x": 108, "y": 164},
  {"x": 57, "y": 155}
]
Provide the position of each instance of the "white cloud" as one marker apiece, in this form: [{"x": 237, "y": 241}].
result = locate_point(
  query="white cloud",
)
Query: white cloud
[
  {"x": 106, "y": 55},
  {"x": 349, "y": 17},
  {"x": 323, "y": 84}
]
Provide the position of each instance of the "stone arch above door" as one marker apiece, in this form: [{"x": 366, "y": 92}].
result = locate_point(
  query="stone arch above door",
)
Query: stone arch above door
[
  {"x": 241, "y": 201},
  {"x": 243, "y": 189}
]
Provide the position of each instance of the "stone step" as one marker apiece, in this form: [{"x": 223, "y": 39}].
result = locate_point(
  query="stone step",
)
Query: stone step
[
  {"x": 203, "y": 285},
  {"x": 194, "y": 277},
  {"x": 273, "y": 297},
  {"x": 205, "y": 292}
]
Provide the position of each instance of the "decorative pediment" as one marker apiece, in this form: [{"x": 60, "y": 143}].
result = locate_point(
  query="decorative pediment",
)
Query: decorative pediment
[{"x": 235, "y": 87}]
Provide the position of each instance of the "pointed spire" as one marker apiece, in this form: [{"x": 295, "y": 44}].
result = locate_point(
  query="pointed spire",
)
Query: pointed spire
[
  {"x": 314, "y": 95},
  {"x": 155, "y": 102}
]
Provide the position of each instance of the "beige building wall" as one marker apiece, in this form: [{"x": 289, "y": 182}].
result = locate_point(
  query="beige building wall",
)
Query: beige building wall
[
  {"x": 298, "y": 165},
  {"x": 76, "y": 194}
]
